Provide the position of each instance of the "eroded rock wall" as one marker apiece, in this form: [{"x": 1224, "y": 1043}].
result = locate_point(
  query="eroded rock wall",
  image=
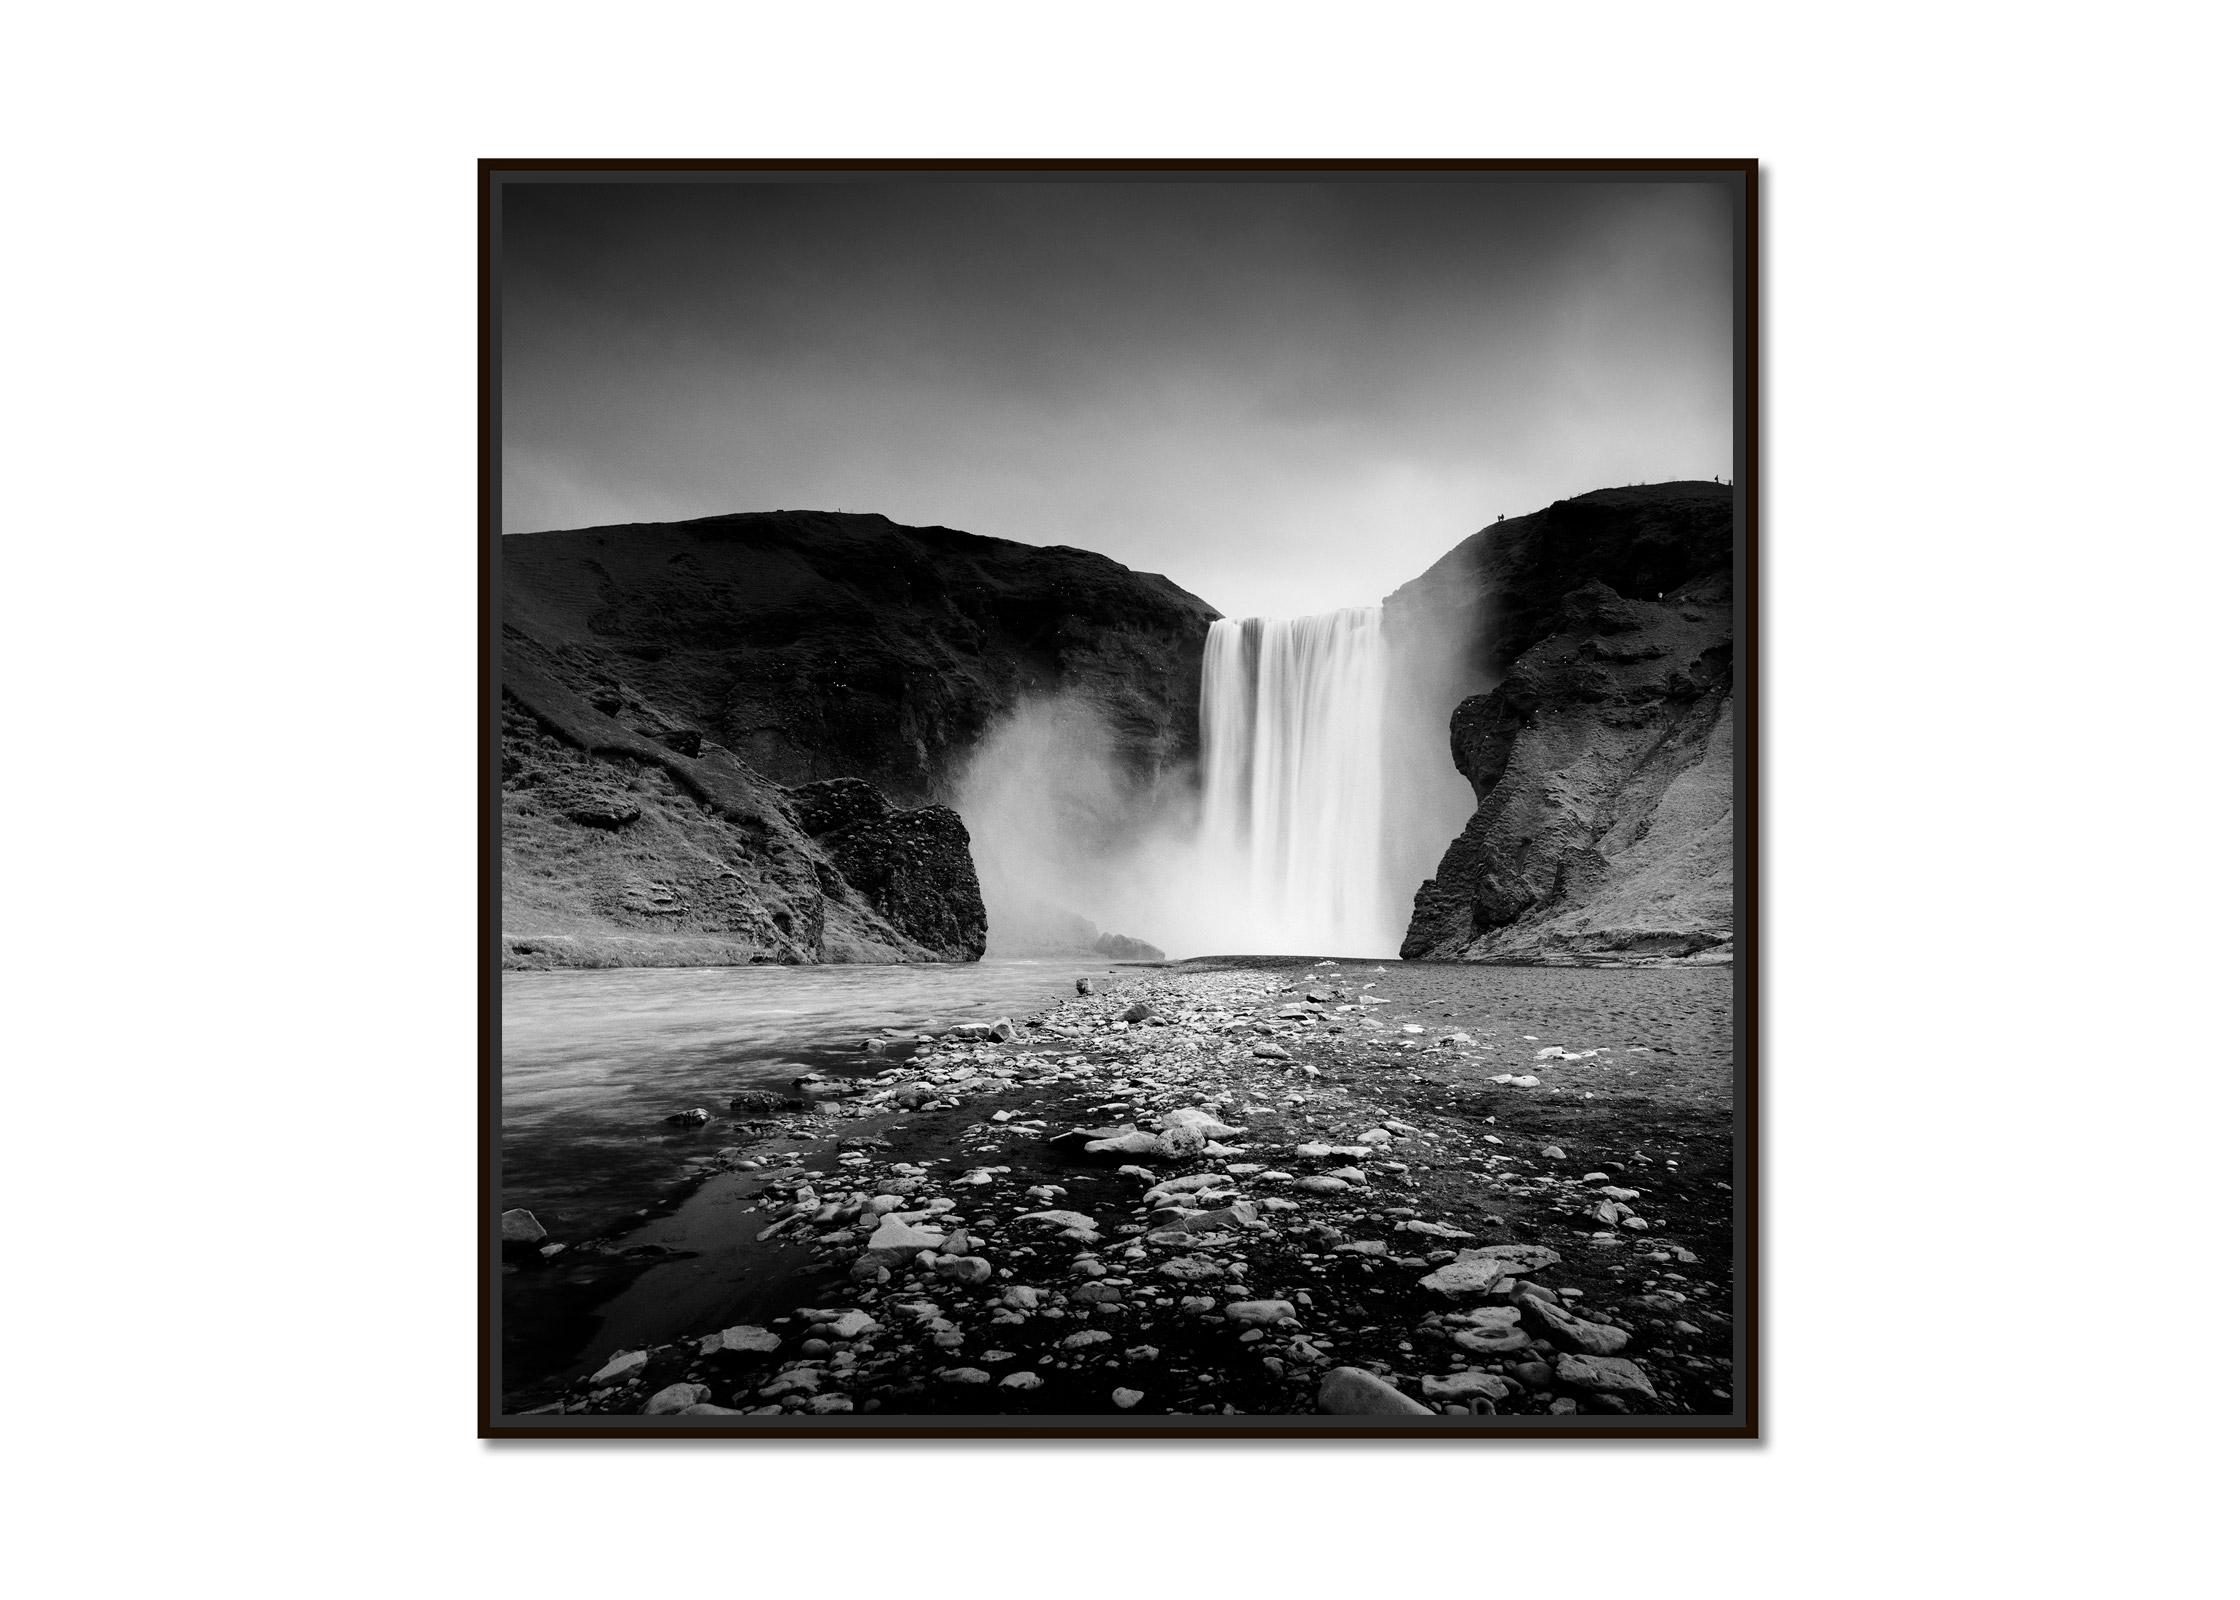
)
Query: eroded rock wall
[
  {"x": 1602, "y": 756},
  {"x": 619, "y": 850}
]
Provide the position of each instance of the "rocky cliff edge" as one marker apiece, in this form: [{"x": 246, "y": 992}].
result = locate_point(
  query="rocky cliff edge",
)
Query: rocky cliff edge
[{"x": 1602, "y": 759}]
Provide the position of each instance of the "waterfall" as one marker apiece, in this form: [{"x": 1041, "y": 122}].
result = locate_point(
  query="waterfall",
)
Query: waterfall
[{"x": 1291, "y": 718}]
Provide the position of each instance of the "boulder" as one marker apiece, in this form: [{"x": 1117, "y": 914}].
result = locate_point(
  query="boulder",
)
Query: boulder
[
  {"x": 677, "y": 1397},
  {"x": 520, "y": 1227},
  {"x": 1567, "y": 1332},
  {"x": 1229, "y": 1219},
  {"x": 1127, "y": 1142},
  {"x": 1491, "y": 1341},
  {"x": 1193, "y": 1269},
  {"x": 1167, "y": 1188},
  {"x": 1604, "y": 1375},
  {"x": 1463, "y": 1387},
  {"x": 1072, "y": 1223},
  {"x": 621, "y": 1367},
  {"x": 1203, "y": 1123},
  {"x": 899, "y": 1240},
  {"x": 913, "y": 867},
  {"x": 1351, "y": 1392},
  {"x": 816, "y": 1086},
  {"x": 1477, "y": 1272}
]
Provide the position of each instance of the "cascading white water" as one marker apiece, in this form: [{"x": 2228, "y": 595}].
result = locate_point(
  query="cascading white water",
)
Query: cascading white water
[
  {"x": 1291, "y": 718},
  {"x": 1323, "y": 795}
]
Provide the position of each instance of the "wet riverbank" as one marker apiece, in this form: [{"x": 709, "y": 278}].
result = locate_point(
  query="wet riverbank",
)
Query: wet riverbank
[
  {"x": 595, "y": 1061},
  {"x": 1314, "y": 1148}
]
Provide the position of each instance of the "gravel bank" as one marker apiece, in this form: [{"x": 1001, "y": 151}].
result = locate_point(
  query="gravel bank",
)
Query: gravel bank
[{"x": 1237, "y": 1188}]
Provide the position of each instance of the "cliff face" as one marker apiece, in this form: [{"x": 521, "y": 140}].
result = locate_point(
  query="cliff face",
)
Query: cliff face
[
  {"x": 722, "y": 739},
  {"x": 1602, "y": 758}
]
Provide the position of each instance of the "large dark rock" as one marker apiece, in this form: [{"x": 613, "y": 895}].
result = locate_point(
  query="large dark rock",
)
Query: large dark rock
[
  {"x": 712, "y": 866},
  {"x": 914, "y": 867},
  {"x": 1602, "y": 756}
]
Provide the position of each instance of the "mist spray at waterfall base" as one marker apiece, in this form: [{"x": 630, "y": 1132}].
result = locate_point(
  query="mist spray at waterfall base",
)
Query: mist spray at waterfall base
[{"x": 1323, "y": 797}]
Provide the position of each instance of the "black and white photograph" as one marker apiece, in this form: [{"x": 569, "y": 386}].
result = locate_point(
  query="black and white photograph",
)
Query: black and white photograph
[
  {"x": 1216, "y": 796},
  {"x": 1118, "y": 799}
]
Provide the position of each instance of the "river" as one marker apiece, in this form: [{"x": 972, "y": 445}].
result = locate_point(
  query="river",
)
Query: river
[{"x": 593, "y": 1061}]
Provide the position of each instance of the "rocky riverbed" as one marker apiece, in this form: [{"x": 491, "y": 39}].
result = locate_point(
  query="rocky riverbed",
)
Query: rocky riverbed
[{"x": 1223, "y": 1188}]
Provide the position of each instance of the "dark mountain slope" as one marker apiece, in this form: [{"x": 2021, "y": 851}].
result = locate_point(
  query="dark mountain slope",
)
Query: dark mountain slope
[
  {"x": 681, "y": 696},
  {"x": 818, "y": 645}
]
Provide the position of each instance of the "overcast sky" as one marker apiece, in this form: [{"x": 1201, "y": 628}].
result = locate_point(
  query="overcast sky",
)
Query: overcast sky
[{"x": 1287, "y": 397}]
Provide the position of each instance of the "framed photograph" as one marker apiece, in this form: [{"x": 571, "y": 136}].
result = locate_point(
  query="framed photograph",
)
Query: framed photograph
[{"x": 1119, "y": 798}]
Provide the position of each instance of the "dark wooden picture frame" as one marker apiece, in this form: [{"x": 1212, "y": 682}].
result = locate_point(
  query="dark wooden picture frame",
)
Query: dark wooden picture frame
[{"x": 1743, "y": 1422}]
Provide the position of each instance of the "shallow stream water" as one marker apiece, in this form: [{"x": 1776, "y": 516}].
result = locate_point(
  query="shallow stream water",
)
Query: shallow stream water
[{"x": 593, "y": 1061}]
